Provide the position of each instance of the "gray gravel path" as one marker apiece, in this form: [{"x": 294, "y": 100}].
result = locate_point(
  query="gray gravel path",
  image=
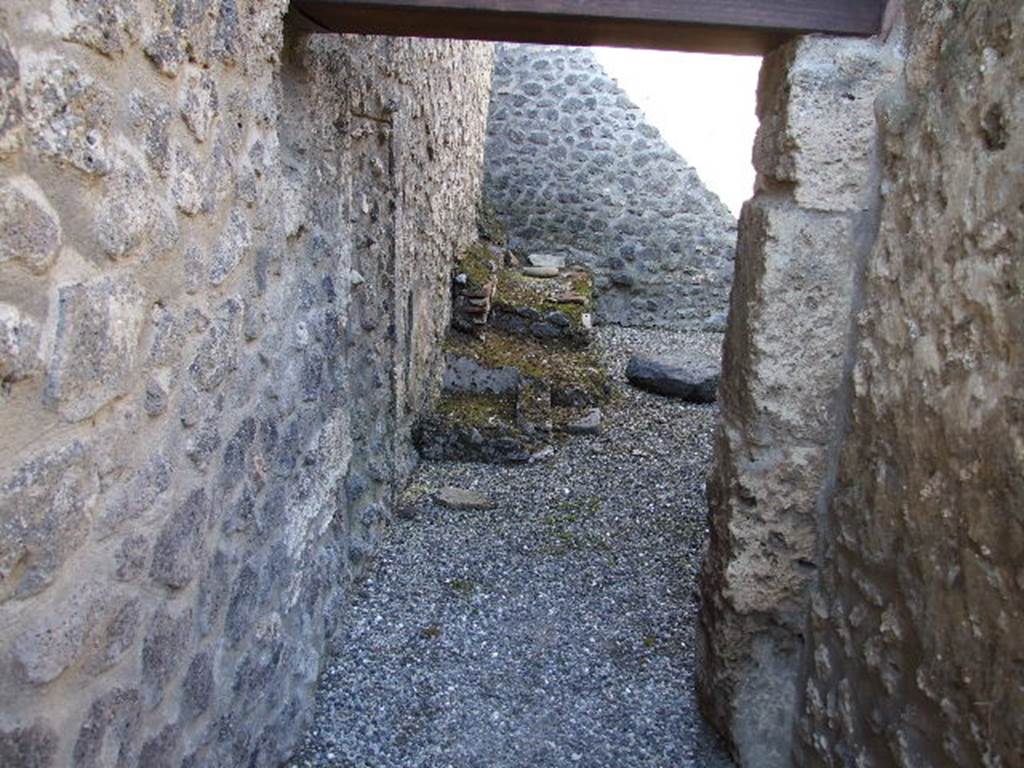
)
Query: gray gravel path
[{"x": 555, "y": 630}]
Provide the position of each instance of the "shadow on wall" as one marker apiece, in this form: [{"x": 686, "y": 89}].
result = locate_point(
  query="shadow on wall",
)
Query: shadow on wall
[{"x": 573, "y": 168}]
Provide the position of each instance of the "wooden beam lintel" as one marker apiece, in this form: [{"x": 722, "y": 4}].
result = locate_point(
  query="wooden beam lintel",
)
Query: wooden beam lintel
[{"x": 711, "y": 26}]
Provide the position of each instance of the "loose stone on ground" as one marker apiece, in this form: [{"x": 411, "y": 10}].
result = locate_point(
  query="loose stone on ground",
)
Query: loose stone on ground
[
  {"x": 692, "y": 378},
  {"x": 540, "y": 271},
  {"x": 460, "y": 498}
]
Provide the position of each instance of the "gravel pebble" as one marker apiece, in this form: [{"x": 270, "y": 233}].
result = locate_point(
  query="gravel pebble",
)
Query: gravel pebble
[{"x": 557, "y": 629}]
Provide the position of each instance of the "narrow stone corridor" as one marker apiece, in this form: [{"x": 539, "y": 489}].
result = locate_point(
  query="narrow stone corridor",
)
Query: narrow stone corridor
[{"x": 555, "y": 629}]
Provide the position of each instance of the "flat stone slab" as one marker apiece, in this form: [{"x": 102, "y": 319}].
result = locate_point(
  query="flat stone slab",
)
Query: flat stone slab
[
  {"x": 692, "y": 380},
  {"x": 466, "y": 375},
  {"x": 541, "y": 271},
  {"x": 460, "y": 498},
  {"x": 546, "y": 260}
]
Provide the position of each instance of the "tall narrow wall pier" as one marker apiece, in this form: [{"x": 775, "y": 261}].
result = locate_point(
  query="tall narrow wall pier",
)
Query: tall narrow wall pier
[
  {"x": 224, "y": 263},
  {"x": 863, "y": 590},
  {"x": 802, "y": 239},
  {"x": 573, "y": 168},
  {"x": 917, "y": 650}
]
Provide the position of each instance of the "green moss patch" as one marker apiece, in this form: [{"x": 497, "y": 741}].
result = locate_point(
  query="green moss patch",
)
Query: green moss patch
[
  {"x": 558, "y": 366},
  {"x": 515, "y": 290},
  {"x": 478, "y": 265},
  {"x": 480, "y": 411}
]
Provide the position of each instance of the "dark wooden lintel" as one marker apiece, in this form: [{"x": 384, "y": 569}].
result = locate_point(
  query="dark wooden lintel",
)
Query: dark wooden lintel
[{"x": 711, "y": 26}]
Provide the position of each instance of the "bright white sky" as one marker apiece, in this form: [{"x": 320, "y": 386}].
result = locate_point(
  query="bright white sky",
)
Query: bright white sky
[{"x": 704, "y": 107}]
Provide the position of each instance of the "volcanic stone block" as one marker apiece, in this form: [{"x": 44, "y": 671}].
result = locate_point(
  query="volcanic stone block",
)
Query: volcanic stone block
[
  {"x": 19, "y": 345},
  {"x": 50, "y": 645},
  {"x": 98, "y": 325},
  {"x": 33, "y": 746},
  {"x": 110, "y": 729},
  {"x": 675, "y": 376},
  {"x": 218, "y": 354},
  {"x": 44, "y": 515},
  {"x": 131, "y": 220},
  {"x": 68, "y": 115},
  {"x": 151, "y": 119},
  {"x": 817, "y": 95},
  {"x": 199, "y": 103},
  {"x": 137, "y": 495},
  {"x": 180, "y": 543},
  {"x": 118, "y": 636},
  {"x": 29, "y": 230},
  {"x": 109, "y": 26},
  {"x": 231, "y": 248},
  {"x": 163, "y": 651},
  {"x": 159, "y": 751},
  {"x": 791, "y": 312},
  {"x": 198, "y": 687},
  {"x": 10, "y": 99}
]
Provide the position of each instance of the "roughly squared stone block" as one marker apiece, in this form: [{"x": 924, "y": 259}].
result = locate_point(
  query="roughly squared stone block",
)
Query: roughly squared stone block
[
  {"x": 188, "y": 182},
  {"x": 98, "y": 326},
  {"x": 109, "y": 732},
  {"x": 463, "y": 499},
  {"x": 790, "y": 315},
  {"x": 199, "y": 103},
  {"x": 131, "y": 557},
  {"x": 10, "y": 99},
  {"x": 163, "y": 651},
  {"x": 136, "y": 495},
  {"x": 218, "y": 354},
  {"x": 198, "y": 688},
  {"x": 783, "y": 362},
  {"x": 68, "y": 115},
  {"x": 151, "y": 121},
  {"x": 30, "y": 232},
  {"x": 159, "y": 751},
  {"x": 108, "y": 26},
  {"x": 118, "y": 636},
  {"x": 32, "y": 746},
  {"x": 675, "y": 376},
  {"x": 19, "y": 345},
  {"x": 178, "y": 548},
  {"x": 132, "y": 218},
  {"x": 816, "y": 103},
  {"x": 50, "y": 645},
  {"x": 231, "y": 248},
  {"x": 44, "y": 514}
]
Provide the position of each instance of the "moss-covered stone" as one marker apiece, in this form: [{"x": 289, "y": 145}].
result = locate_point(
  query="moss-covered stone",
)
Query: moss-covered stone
[
  {"x": 562, "y": 368},
  {"x": 478, "y": 265},
  {"x": 480, "y": 411},
  {"x": 475, "y": 428},
  {"x": 516, "y": 291}
]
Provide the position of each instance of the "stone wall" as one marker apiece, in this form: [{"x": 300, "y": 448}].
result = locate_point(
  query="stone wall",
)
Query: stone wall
[
  {"x": 862, "y": 595},
  {"x": 802, "y": 238},
  {"x": 917, "y": 654},
  {"x": 224, "y": 265},
  {"x": 574, "y": 168}
]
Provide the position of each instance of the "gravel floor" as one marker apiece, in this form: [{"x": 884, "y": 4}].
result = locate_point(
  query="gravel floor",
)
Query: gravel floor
[{"x": 555, "y": 630}]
